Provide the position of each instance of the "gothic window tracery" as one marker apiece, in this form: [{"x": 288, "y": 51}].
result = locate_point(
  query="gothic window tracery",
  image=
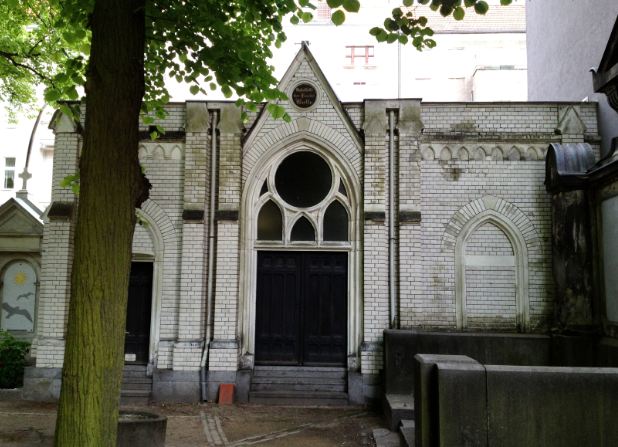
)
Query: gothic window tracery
[{"x": 303, "y": 201}]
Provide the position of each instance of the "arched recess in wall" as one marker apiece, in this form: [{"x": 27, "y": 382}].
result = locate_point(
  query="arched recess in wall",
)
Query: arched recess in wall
[
  {"x": 302, "y": 226},
  {"x": 150, "y": 245},
  {"x": 19, "y": 297},
  {"x": 490, "y": 266}
]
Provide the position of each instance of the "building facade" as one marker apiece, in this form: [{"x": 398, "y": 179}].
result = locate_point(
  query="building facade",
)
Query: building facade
[{"x": 271, "y": 243}]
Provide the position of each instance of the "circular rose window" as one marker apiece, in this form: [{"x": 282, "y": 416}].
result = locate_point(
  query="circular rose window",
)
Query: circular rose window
[{"x": 303, "y": 179}]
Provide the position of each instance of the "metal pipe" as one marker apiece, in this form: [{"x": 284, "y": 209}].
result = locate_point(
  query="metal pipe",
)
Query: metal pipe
[
  {"x": 211, "y": 237},
  {"x": 392, "y": 278}
]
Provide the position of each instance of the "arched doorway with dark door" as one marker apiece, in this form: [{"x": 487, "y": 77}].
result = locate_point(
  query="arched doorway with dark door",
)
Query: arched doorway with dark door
[
  {"x": 139, "y": 306},
  {"x": 302, "y": 247}
]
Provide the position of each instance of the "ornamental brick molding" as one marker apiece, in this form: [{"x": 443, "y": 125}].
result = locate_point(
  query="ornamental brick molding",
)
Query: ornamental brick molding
[{"x": 506, "y": 210}]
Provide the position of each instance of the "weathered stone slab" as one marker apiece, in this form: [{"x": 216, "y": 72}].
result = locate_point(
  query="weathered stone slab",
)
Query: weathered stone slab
[{"x": 551, "y": 406}]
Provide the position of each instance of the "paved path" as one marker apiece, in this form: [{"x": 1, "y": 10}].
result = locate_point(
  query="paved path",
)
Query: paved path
[{"x": 207, "y": 425}]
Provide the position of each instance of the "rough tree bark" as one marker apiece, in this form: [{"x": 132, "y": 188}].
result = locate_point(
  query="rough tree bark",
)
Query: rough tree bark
[{"x": 111, "y": 186}]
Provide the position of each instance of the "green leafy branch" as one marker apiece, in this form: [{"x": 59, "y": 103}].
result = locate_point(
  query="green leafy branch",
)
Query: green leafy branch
[{"x": 404, "y": 26}]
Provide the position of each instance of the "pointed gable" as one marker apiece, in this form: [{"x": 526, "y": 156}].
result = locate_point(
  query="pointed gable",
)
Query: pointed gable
[
  {"x": 20, "y": 228},
  {"x": 316, "y": 113}
]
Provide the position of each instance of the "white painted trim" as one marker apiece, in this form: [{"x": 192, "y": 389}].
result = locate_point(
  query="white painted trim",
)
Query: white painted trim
[
  {"x": 520, "y": 251},
  {"x": 157, "y": 283},
  {"x": 249, "y": 246}
]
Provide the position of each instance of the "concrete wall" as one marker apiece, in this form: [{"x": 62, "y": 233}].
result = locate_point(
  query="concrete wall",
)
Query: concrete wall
[
  {"x": 565, "y": 39},
  {"x": 467, "y": 403}
]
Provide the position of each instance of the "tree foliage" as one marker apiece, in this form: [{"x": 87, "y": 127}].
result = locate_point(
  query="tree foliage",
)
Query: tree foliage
[{"x": 207, "y": 44}]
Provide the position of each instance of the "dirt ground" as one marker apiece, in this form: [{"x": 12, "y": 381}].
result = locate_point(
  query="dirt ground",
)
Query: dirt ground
[{"x": 32, "y": 424}]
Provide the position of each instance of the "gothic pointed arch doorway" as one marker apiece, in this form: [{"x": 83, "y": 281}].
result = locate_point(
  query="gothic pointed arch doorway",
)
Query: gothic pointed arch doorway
[{"x": 301, "y": 300}]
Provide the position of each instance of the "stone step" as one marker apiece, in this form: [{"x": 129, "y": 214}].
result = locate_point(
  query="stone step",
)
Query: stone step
[
  {"x": 298, "y": 398},
  {"x": 134, "y": 371},
  {"x": 299, "y": 371},
  {"x": 407, "y": 430},
  {"x": 309, "y": 387},
  {"x": 136, "y": 386},
  {"x": 398, "y": 407},
  {"x": 137, "y": 379},
  {"x": 135, "y": 397},
  {"x": 386, "y": 438},
  {"x": 295, "y": 380}
]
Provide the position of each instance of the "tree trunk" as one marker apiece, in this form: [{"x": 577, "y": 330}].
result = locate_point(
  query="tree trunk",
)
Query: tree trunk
[{"x": 111, "y": 186}]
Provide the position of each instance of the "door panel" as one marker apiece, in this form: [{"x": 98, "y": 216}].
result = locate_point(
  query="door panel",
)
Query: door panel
[
  {"x": 325, "y": 308},
  {"x": 277, "y": 308},
  {"x": 139, "y": 306},
  {"x": 301, "y": 308}
]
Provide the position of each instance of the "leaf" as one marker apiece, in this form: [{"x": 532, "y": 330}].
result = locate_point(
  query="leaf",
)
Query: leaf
[
  {"x": 408, "y": 3},
  {"x": 334, "y": 3},
  {"x": 506, "y": 2},
  {"x": 226, "y": 90},
  {"x": 446, "y": 9},
  {"x": 481, "y": 7},
  {"x": 194, "y": 89},
  {"x": 276, "y": 111},
  {"x": 351, "y": 5},
  {"x": 306, "y": 17},
  {"x": 294, "y": 20},
  {"x": 338, "y": 17},
  {"x": 51, "y": 95},
  {"x": 469, "y": 3},
  {"x": 459, "y": 13},
  {"x": 382, "y": 36}
]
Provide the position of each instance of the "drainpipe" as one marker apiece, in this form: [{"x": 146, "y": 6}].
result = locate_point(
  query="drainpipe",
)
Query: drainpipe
[
  {"x": 392, "y": 243},
  {"x": 211, "y": 249}
]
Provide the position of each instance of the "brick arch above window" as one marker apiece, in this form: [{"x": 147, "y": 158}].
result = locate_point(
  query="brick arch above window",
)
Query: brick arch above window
[
  {"x": 508, "y": 212},
  {"x": 522, "y": 236}
]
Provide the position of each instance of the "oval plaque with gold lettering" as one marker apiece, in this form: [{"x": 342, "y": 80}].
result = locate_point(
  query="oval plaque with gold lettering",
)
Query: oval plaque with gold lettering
[{"x": 304, "y": 95}]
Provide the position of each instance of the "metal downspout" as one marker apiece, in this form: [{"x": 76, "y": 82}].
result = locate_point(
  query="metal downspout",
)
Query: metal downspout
[
  {"x": 392, "y": 287},
  {"x": 211, "y": 249}
]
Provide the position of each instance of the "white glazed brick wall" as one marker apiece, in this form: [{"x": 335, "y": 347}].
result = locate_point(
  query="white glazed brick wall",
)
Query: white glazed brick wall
[
  {"x": 356, "y": 113},
  {"x": 187, "y": 356},
  {"x": 226, "y": 280},
  {"x": 229, "y": 172},
  {"x": 522, "y": 118},
  {"x": 142, "y": 240},
  {"x": 372, "y": 362},
  {"x": 490, "y": 298},
  {"x": 164, "y": 167},
  {"x": 197, "y": 169},
  {"x": 490, "y": 289},
  {"x": 66, "y": 149},
  {"x": 226, "y": 302},
  {"x": 165, "y": 354},
  {"x": 56, "y": 260},
  {"x": 488, "y": 240},
  {"x": 192, "y": 291},
  {"x": 223, "y": 360},
  {"x": 447, "y": 187},
  {"x": 175, "y": 119}
]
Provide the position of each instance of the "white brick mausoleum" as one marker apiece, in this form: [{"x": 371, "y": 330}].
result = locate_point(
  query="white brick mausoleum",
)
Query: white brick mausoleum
[{"x": 269, "y": 243}]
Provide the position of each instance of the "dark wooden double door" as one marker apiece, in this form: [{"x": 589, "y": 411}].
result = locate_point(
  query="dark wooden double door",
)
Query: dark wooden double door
[
  {"x": 139, "y": 308},
  {"x": 301, "y": 308}
]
